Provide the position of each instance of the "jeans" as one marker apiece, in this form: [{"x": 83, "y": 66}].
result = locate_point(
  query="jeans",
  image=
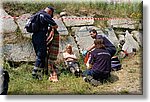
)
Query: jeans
[{"x": 87, "y": 73}]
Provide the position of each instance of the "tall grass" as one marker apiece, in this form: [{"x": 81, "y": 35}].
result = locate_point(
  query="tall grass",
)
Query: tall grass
[{"x": 103, "y": 8}]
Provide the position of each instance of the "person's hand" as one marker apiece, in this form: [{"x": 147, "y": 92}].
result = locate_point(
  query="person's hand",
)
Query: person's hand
[
  {"x": 84, "y": 52},
  {"x": 55, "y": 27}
]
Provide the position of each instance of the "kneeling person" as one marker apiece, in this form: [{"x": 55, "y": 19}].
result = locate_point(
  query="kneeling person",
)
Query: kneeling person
[{"x": 100, "y": 63}]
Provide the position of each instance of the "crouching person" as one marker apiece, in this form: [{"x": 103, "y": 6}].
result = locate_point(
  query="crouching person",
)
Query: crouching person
[
  {"x": 71, "y": 61},
  {"x": 100, "y": 64}
]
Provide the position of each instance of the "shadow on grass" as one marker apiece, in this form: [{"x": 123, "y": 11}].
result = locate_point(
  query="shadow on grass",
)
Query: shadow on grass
[{"x": 111, "y": 79}]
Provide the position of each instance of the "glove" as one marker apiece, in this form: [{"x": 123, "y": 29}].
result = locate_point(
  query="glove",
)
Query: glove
[{"x": 84, "y": 52}]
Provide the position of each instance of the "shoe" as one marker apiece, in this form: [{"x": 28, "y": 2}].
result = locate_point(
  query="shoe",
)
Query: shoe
[
  {"x": 77, "y": 73},
  {"x": 40, "y": 77},
  {"x": 95, "y": 82},
  {"x": 87, "y": 78},
  {"x": 34, "y": 76}
]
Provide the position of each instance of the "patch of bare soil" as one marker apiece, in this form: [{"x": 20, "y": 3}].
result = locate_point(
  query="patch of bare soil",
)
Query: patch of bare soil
[{"x": 130, "y": 78}]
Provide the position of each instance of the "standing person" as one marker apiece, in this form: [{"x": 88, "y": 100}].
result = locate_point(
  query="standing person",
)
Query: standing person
[
  {"x": 100, "y": 63},
  {"x": 108, "y": 45},
  {"x": 39, "y": 40},
  {"x": 52, "y": 53}
]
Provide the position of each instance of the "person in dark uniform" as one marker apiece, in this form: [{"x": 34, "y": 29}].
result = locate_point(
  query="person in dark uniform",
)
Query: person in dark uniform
[
  {"x": 100, "y": 63},
  {"x": 39, "y": 40},
  {"x": 108, "y": 45}
]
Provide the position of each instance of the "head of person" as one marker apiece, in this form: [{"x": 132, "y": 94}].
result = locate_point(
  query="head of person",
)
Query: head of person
[
  {"x": 99, "y": 44},
  {"x": 50, "y": 10},
  {"x": 69, "y": 49},
  {"x": 93, "y": 33}
]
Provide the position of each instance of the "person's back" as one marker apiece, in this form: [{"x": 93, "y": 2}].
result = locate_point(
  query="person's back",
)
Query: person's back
[
  {"x": 45, "y": 19},
  {"x": 101, "y": 61},
  {"x": 109, "y": 46},
  {"x": 107, "y": 43}
]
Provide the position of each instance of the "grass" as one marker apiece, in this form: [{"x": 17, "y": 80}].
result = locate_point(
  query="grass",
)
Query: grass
[
  {"x": 100, "y": 9},
  {"x": 125, "y": 81}
]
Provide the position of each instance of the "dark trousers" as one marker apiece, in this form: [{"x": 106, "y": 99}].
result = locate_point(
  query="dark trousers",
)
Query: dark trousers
[
  {"x": 39, "y": 44},
  {"x": 97, "y": 76}
]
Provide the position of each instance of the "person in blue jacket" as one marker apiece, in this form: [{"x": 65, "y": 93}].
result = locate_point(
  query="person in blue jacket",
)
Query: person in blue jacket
[
  {"x": 109, "y": 46},
  {"x": 100, "y": 64},
  {"x": 39, "y": 40}
]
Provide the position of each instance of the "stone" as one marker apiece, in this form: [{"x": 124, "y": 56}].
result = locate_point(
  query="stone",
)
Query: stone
[
  {"x": 8, "y": 23},
  {"x": 19, "y": 52},
  {"x": 112, "y": 36},
  {"x": 21, "y": 21},
  {"x": 71, "y": 21},
  {"x": 61, "y": 27},
  {"x": 130, "y": 43},
  {"x": 138, "y": 36},
  {"x": 123, "y": 23}
]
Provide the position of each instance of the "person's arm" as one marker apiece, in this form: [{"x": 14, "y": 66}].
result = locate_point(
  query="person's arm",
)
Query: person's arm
[
  {"x": 89, "y": 66},
  {"x": 88, "y": 49},
  {"x": 64, "y": 55},
  {"x": 91, "y": 58},
  {"x": 71, "y": 57},
  {"x": 91, "y": 47},
  {"x": 50, "y": 37},
  {"x": 47, "y": 19},
  {"x": 74, "y": 56}
]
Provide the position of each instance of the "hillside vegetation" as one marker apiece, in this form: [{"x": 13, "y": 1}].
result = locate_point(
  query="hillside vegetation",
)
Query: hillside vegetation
[{"x": 98, "y": 9}]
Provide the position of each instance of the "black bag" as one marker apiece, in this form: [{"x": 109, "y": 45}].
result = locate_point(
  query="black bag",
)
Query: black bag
[
  {"x": 33, "y": 23},
  {"x": 115, "y": 64}
]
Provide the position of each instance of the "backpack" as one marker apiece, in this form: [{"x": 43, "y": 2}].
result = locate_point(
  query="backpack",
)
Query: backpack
[{"x": 33, "y": 24}]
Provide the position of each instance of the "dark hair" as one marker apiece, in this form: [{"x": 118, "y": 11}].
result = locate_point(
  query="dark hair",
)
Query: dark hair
[
  {"x": 93, "y": 30},
  {"x": 99, "y": 43},
  {"x": 51, "y": 8}
]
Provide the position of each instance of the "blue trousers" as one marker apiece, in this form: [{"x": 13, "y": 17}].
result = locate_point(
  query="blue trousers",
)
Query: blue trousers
[{"x": 40, "y": 47}]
